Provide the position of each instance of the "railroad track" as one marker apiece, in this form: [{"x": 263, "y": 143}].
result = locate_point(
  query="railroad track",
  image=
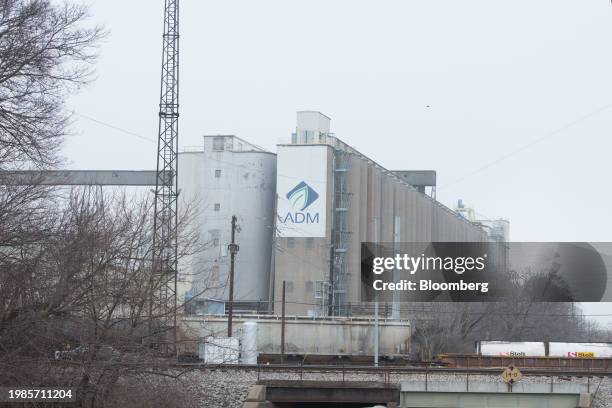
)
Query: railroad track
[{"x": 390, "y": 370}]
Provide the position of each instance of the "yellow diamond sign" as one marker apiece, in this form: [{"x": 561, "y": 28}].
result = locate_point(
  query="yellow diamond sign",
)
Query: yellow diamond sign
[{"x": 512, "y": 374}]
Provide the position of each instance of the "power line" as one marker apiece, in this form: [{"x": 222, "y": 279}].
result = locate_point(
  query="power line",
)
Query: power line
[
  {"x": 456, "y": 181},
  {"x": 127, "y": 132},
  {"x": 108, "y": 125},
  {"x": 529, "y": 145}
]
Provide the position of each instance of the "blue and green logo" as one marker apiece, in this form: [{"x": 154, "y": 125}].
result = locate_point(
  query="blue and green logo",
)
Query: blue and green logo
[{"x": 302, "y": 196}]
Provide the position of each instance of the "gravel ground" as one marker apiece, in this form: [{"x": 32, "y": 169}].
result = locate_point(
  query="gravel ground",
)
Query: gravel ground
[{"x": 228, "y": 388}]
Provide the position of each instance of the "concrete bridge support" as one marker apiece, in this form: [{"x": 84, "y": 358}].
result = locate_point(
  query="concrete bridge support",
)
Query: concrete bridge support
[
  {"x": 299, "y": 394},
  {"x": 288, "y": 394}
]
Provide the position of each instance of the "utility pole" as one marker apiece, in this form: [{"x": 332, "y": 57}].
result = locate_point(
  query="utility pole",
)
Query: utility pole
[
  {"x": 283, "y": 324},
  {"x": 233, "y": 249},
  {"x": 273, "y": 260},
  {"x": 376, "y": 331},
  {"x": 330, "y": 299}
]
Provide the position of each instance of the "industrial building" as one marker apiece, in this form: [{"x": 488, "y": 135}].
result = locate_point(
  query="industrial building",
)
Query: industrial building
[
  {"x": 302, "y": 215},
  {"x": 228, "y": 176},
  {"x": 328, "y": 198},
  {"x": 331, "y": 198}
]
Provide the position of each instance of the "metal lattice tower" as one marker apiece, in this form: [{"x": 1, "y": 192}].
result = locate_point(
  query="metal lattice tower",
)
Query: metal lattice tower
[{"x": 165, "y": 251}]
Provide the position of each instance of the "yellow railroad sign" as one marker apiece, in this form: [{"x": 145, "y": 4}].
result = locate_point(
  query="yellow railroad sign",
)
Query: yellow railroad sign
[{"x": 512, "y": 374}]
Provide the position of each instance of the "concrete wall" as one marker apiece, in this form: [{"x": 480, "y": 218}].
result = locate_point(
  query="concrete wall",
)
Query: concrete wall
[
  {"x": 241, "y": 179},
  {"x": 311, "y": 336},
  {"x": 465, "y": 400},
  {"x": 486, "y": 394}
]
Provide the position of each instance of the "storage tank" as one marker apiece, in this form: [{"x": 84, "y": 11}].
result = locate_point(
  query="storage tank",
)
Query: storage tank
[
  {"x": 228, "y": 176},
  {"x": 248, "y": 345}
]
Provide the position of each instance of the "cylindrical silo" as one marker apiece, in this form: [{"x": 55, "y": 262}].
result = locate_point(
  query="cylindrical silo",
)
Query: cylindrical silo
[{"x": 248, "y": 348}]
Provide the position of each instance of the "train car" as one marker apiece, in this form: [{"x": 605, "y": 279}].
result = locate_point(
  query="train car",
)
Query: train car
[
  {"x": 557, "y": 363},
  {"x": 511, "y": 349},
  {"x": 580, "y": 350},
  {"x": 558, "y": 355}
]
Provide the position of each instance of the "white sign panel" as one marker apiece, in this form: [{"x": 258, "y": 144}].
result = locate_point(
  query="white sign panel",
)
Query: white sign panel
[{"x": 301, "y": 186}]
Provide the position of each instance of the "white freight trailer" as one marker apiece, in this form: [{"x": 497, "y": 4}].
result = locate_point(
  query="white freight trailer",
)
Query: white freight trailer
[
  {"x": 511, "y": 349},
  {"x": 580, "y": 350},
  {"x": 544, "y": 349}
]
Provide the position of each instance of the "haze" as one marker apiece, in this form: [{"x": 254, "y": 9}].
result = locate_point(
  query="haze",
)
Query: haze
[{"x": 445, "y": 85}]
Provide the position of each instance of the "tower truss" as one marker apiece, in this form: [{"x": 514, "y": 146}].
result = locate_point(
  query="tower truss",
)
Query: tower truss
[{"x": 165, "y": 250}]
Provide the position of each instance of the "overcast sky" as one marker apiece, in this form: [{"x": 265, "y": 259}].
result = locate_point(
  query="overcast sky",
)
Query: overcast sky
[{"x": 446, "y": 85}]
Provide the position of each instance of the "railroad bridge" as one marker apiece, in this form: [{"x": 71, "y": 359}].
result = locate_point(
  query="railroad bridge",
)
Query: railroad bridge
[{"x": 421, "y": 394}]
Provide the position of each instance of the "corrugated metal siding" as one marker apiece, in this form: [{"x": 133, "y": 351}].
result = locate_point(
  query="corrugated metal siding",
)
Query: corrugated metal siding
[
  {"x": 377, "y": 194},
  {"x": 377, "y": 198}
]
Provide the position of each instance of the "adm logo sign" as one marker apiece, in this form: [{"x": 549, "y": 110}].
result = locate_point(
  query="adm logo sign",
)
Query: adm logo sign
[
  {"x": 301, "y": 182},
  {"x": 301, "y": 197}
]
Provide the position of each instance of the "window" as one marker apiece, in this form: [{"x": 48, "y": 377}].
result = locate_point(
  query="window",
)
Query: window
[
  {"x": 290, "y": 242},
  {"x": 214, "y": 273},
  {"x": 218, "y": 173},
  {"x": 309, "y": 286},
  {"x": 218, "y": 143},
  {"x": 294, "y": 138},
  {"x": 309, "y": 136},
  {"x": 320, "y": 289},
  {"x": 217, "y": 207},
  {"x": 214, "y": 237},
  {"x": 309, "y": 243}
]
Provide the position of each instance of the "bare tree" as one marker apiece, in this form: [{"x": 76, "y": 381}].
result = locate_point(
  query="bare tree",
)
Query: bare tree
[
  {"x": 455, "y": 327},
  {"x": 45, "y": 53},
  {"x": 522, "y": 316},
  {"x": 74, "y": 305},
  {"x": 75, "y": 272}
]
